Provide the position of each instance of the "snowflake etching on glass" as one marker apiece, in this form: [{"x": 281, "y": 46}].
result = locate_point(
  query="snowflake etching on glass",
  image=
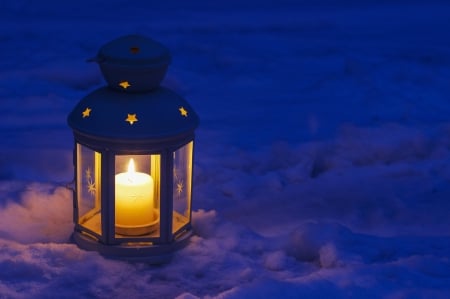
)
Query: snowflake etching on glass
[
  {"x": 90, "y": 182},
  {"x": 180, "y": 187}
]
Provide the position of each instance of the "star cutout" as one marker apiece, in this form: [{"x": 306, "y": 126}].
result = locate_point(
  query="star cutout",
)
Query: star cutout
[
  {"x": 125, "y": 84},
  {"x": 183, "y": 111},
  {"x": 131, "y": 118},
  {"x": 86, "y": 112}
]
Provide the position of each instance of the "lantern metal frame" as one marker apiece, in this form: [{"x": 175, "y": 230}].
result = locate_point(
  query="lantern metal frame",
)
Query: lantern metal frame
[
  {"x": 153, "y": 249},
  {"x": 166, "y": 124}
]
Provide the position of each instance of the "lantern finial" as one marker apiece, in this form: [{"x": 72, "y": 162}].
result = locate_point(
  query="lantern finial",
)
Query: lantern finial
[{"x": 136, "y": 59}]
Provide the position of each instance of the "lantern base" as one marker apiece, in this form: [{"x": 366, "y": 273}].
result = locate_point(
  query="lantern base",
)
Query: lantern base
[{"x": 138, "y": 252}]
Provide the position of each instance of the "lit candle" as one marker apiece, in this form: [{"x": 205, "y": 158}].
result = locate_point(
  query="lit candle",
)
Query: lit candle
[{"x": 134, "y": 198}]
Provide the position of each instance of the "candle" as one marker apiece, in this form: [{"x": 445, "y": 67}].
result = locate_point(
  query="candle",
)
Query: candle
[{"x": 134, "y": 198}]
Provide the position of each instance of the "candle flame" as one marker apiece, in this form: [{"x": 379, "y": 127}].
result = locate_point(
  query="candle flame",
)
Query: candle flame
[
  {"x": 131, "y": 170},
  {"x": 131, "y": 167}
]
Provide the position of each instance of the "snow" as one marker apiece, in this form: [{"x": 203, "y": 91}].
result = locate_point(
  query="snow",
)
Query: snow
[{"x": 322, "y": 161}]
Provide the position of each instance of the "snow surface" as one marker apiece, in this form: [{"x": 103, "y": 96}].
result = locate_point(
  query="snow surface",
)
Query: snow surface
[{"x": 322, "y": 160}]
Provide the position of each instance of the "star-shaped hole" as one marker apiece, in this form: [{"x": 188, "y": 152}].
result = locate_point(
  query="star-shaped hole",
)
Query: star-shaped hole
[
  {"x": 86, "y": 112},
  {"x": 183, "y": 111},
  {"x": 125, "y": 84},
  {"x": 131, "y": 118}
]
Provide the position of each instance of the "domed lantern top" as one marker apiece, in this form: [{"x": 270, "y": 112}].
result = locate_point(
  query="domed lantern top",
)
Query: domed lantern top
[
  {"x": 108, "y": 114},
  {"x": 133, "y": 108},
  {"x": 133, "y": 63}
]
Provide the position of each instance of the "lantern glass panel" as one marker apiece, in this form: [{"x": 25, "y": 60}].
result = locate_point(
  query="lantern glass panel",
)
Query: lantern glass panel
[
  {"x": 88, "y": 188},
  {"x": 137, "y": 195},
  {"x": 182, "y": 186}
]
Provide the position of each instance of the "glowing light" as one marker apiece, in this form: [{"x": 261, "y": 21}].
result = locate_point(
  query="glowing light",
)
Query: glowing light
[
  {"x": 86, "y": 112},
  {"x": 134, "y": 198},
  {"x": 183, "y": 111},
  {"x": 125, "y": 84},
  {"x": 131, "y": 118},
  {"x": 131, "y": 168}
]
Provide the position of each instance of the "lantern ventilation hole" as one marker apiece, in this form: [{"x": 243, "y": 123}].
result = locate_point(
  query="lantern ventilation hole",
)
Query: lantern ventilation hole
[
  {"x": 86, "y": 112},
  {"x": 134, "y": 50},
  {"x": 125, "y": 84},
  {"x": 131, "y": 118},
  {"x": 183, "y": 111}
]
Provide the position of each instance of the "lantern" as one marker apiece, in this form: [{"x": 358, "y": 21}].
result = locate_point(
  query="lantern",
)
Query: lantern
[{"x": 133, "y": 157}]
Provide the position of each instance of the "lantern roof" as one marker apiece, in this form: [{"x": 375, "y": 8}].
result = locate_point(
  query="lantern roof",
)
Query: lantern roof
[
  {"x": 133, "y": 63},
  {"x": 134, "y": 50},
  {"x": 158, "y": 114}
]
